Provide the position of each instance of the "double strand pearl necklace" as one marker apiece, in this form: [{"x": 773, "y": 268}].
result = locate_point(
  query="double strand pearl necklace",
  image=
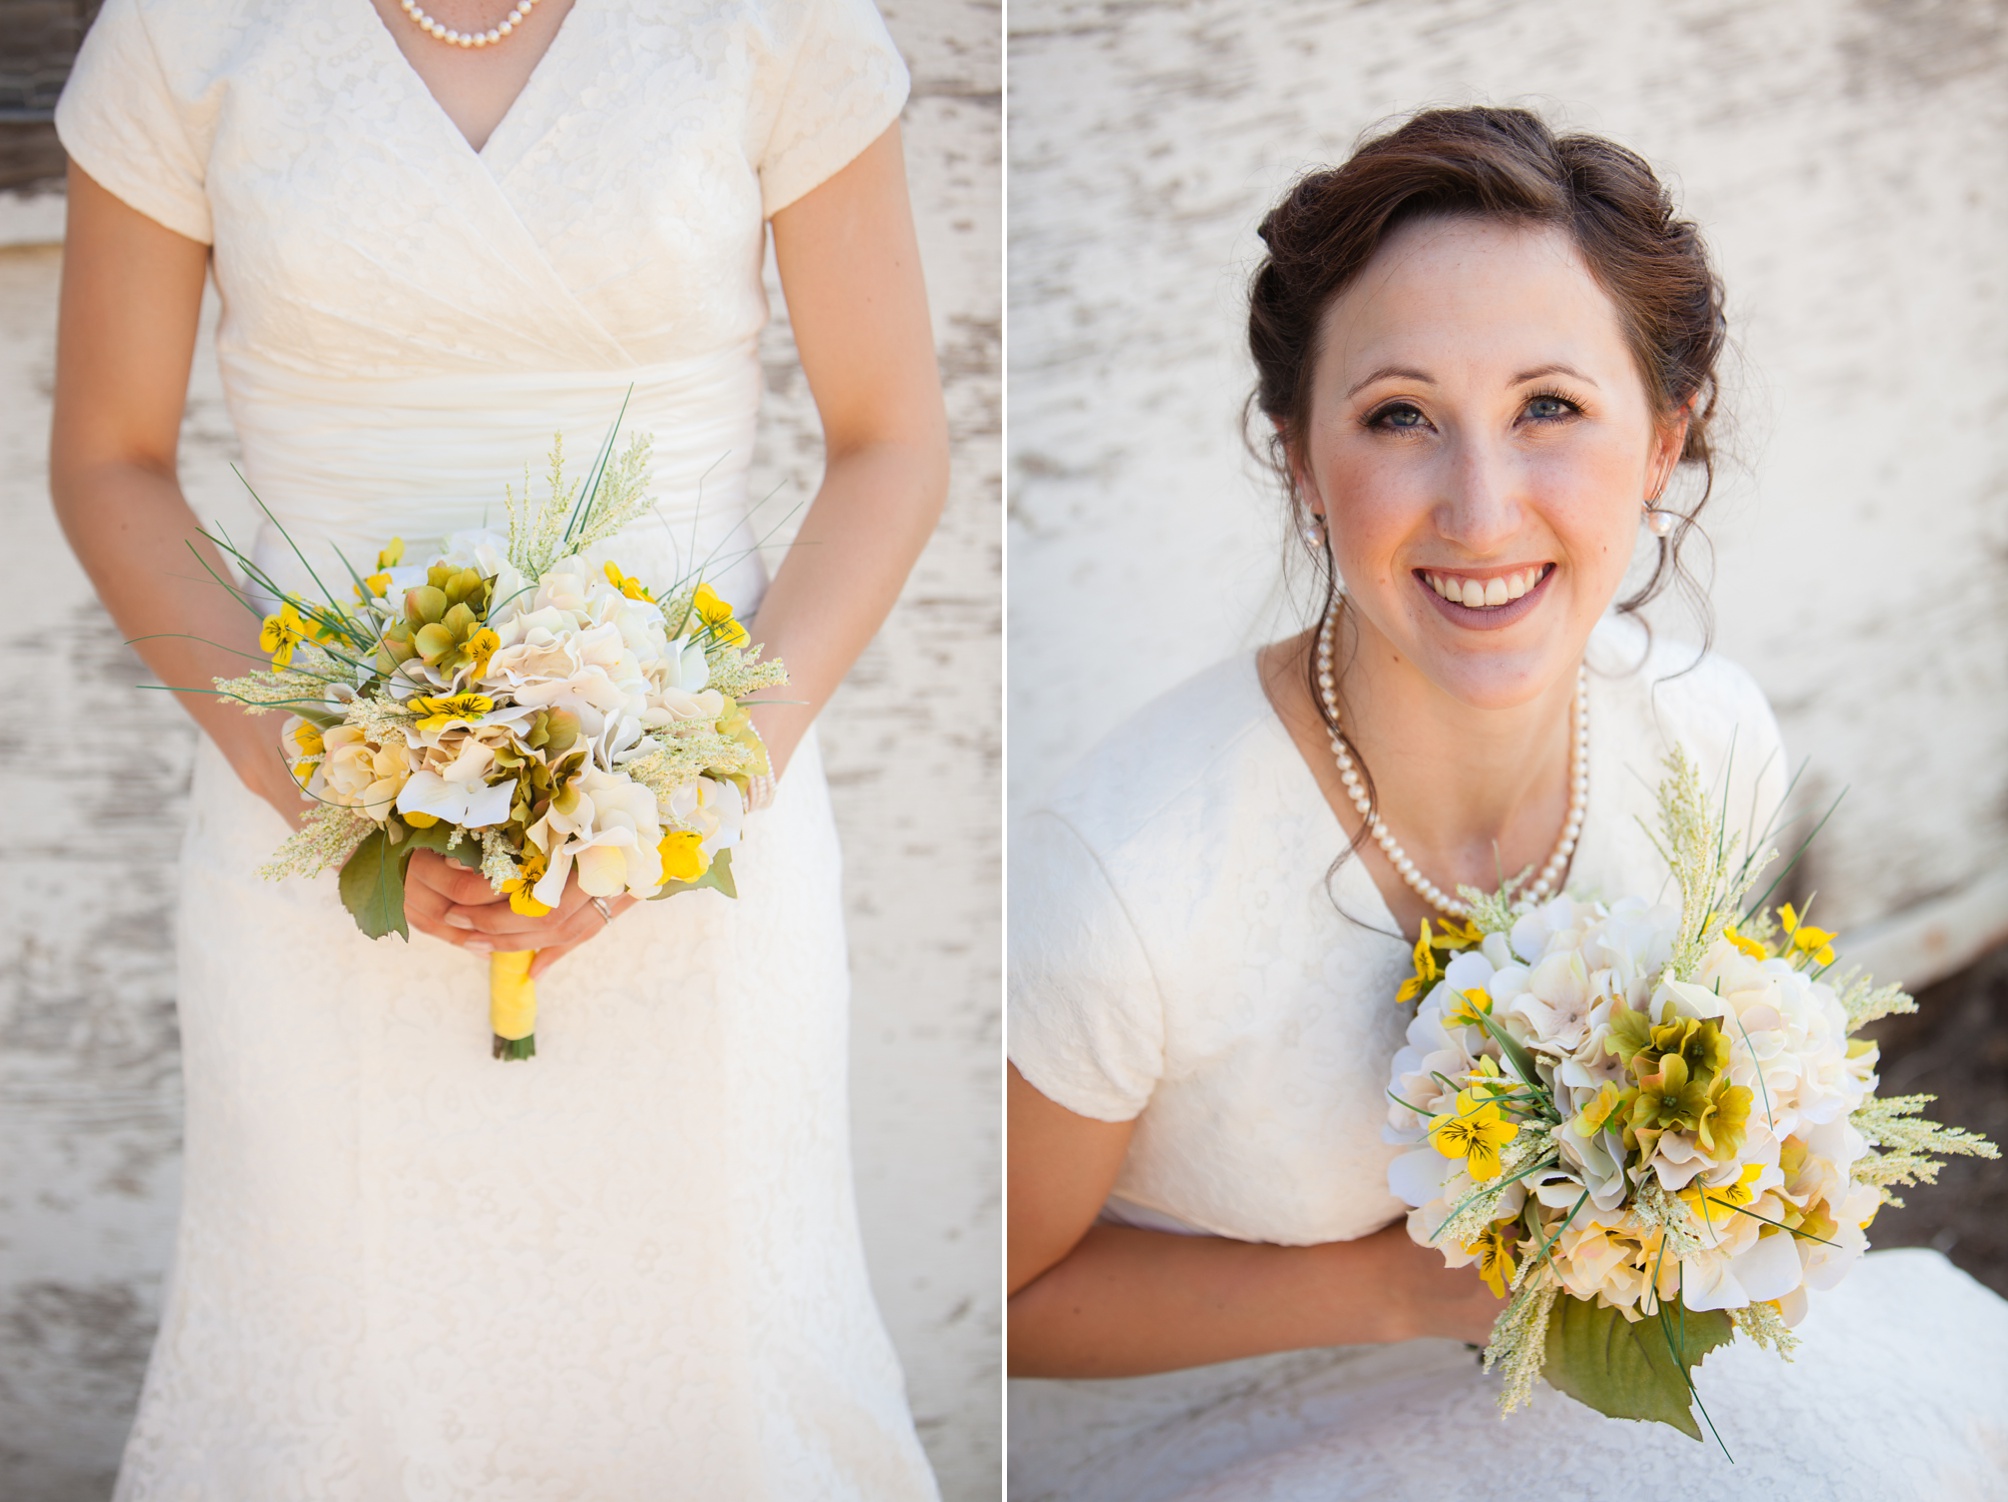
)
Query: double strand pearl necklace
[
  {"x": 452, "y": 38},
  {"x": 1349, "y": 774}
]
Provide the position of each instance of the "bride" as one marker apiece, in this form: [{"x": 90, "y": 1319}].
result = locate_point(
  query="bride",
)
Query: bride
[
  {"x": 441, "y": 233},
  {"x": 1485, "y": 353}
]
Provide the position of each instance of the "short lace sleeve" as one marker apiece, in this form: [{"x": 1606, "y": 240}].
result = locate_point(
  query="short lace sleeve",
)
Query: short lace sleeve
[
  {"x": 1086, "y": 1019},
  {"x": 121, "y": 121},
  {"x": 843, "y": 85}
]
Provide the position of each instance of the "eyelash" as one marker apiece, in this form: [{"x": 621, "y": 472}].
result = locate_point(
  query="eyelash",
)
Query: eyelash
[{"x": 1377, "y": 420}]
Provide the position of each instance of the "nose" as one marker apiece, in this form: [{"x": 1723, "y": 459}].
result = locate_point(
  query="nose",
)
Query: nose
[{"x": 1479, "y": 509}]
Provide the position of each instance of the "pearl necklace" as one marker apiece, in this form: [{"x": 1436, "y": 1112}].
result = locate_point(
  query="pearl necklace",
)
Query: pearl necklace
[
  {"x": 452, "y": 38},
  {"x": 1349, "y": 774}
]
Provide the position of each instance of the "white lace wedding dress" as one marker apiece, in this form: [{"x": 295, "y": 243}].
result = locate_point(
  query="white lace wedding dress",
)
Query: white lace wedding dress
[
  {"x": 629, "y": 1268},
  {"x": 1178, "y": 958}
]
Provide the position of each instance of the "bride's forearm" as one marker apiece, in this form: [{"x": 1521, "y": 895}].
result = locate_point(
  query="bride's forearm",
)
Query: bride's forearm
[
  {"x": 871, "y": 518},
  {"x": 133, "y": 532},
  {"x": 1127, "y": 1302}
]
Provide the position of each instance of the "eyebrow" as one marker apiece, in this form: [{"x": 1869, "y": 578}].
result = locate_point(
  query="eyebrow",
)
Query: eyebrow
[
  {"x": 1556, "y": 369},
  {"x": 1386, "y": 372},
  {"x": 1410, "y": 373}
]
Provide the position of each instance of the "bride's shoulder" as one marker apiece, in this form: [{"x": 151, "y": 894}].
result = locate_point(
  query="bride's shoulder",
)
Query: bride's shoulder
[
  {"x": 1179, "y": 751},
  {"x": 1674, "y": 692}
]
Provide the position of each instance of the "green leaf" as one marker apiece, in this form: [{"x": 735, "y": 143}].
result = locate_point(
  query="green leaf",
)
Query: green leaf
[
  {"x": 1515, "y": 1054},
  {"x": 435, "y": 836},
  {"x": 719, "y": 877},
  {"x": 372, "y": 885},
  {"x": 1632, "y": 1371}
]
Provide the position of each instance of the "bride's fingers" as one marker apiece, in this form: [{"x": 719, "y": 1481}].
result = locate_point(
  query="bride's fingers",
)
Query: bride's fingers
[{"x": 587, "y": 927}]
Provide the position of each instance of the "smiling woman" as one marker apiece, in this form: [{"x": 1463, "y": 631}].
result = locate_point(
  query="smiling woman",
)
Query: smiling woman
[{"x": 1483, "y": 351}]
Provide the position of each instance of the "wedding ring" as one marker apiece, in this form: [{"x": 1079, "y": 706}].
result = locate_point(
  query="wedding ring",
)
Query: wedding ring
[{"x": 605, "y": 911}]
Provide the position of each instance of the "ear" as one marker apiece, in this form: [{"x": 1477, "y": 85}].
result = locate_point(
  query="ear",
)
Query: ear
[
  {"x": 1301, "y": 479},
  {"x": 1669, "y": 443}
]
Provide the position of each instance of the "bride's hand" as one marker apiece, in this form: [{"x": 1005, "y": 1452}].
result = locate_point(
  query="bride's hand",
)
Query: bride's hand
[
  {"x": 1452, "y": 1302},
  {"x": 445, "y": 899}
]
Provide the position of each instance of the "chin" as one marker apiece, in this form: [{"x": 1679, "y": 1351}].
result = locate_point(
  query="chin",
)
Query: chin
[{"x": 1496, "y": 674}]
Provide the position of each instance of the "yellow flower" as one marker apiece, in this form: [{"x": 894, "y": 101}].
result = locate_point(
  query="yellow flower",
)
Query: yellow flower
[
  {"x": 521, "y": 902},
  {"x": 1807, "y": 939},
  {"x": 1591, "y": 1118},
  {"x": 441, "y": 710},
  {"x": 1719, "y": 1203},
  {"x": 1494, "y": 1250},
  {"x": 1474, "y": 1133},
  {"x": 1426, "y": 969},
  {"x": 633, "y": 588},
  {"x": 419, "y": 820},
  {"x": 1470, "y": 1007},
  {"x": 1748, "y": 945},
  {"x": 281, "y": 633},
  {"x": 683, "y": 857},
  {"x": 1458, "y": 935},
  {"x": 717, "y": 614},
  {"x": 479, "y": 647},
  {"x": 373, "y": 588},
  {"x": 391, "y": 556}
]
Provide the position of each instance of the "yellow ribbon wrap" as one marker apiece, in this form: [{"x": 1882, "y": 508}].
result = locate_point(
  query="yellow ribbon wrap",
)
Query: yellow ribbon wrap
[{"x": 512, "y": 1003}]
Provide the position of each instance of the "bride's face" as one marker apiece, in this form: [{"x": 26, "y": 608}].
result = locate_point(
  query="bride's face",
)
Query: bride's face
[{"x": 1482, "y": 444}]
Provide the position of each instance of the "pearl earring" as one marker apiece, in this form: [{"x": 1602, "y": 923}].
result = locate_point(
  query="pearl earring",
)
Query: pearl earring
[
  {"x": 1658, "y": 522},
  {"x": 1313, "y": 532}
]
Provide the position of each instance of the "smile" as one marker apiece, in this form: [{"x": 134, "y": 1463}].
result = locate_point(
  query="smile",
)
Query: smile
[
  {"x": 1486, "y": 593},
  {"x": 1486, "y": 601}
]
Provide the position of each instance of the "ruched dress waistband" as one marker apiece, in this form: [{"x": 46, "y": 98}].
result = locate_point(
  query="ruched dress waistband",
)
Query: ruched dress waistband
[{"x": 346, "y": 464}]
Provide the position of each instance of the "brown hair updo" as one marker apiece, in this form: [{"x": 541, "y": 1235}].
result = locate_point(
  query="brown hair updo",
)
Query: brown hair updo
[{"x": 1494, "y": 164}]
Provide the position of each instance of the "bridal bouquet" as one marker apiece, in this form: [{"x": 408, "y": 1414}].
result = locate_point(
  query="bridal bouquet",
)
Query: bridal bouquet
[
  {"x": 1652, "y": 1125},
  {"x": 523, "y": 706}
]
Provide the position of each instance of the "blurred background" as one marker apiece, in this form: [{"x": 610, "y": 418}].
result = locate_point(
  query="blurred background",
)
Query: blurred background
[
  {"x": 1848, "y": 163},
  {"x": 90, "y": 1104}
]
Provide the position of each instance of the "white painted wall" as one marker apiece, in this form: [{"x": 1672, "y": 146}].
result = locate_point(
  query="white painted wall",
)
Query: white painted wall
[
  {"x": 1848, "y": 160},
  {"x": 93, "y": 778}
]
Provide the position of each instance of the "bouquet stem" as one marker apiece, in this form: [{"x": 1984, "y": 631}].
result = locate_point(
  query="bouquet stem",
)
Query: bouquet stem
[{"x": 512, "y": 1004}]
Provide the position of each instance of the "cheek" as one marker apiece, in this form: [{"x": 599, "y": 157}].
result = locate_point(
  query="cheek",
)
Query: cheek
[
  {"x": 1587, "y": 497},
  {"x": 1378, "y": 500}
]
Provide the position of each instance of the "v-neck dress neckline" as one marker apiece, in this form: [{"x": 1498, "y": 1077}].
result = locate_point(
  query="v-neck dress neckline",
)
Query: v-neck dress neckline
[{"x": 511, "y": 125}]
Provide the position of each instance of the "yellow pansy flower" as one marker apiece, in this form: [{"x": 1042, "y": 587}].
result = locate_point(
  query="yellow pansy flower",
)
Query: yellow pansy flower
[
  {"x": 479, "y": 647},
  {"x": 1494, "y": 1250},
  {"x": 717, "y": 614},
  {"x": 391, "y": 556},
  {"x": 683, "y": 857},
  {"x": 633, "y": 588},
  {"x": 1817, "y": 942},
  {"x": 441, "y": 710},
  {"x": 1719, "y": 1203},
  {"x": 1474, "y": 1133},
  {"x": 1426, "y": 969},
  {"x": 375, "y": 587},
  {"x": 521, "y": 902},
  {"x": 1748, "y": 945},
  {"x": 281, "y": 633},
  {"x": 1470, "y": 1006}
]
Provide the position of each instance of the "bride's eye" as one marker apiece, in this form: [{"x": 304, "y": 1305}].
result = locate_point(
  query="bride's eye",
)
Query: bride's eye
[
  {"x": 1396, "y": 417},
  {"x": 1549, "y": 406}
]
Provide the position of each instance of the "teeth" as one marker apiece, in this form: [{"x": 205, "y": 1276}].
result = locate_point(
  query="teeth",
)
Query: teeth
[{"x": 1490, "y": 594}]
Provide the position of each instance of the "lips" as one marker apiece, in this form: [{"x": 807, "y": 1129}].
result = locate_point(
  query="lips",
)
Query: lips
[{"x": 1486, "y": 601}]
